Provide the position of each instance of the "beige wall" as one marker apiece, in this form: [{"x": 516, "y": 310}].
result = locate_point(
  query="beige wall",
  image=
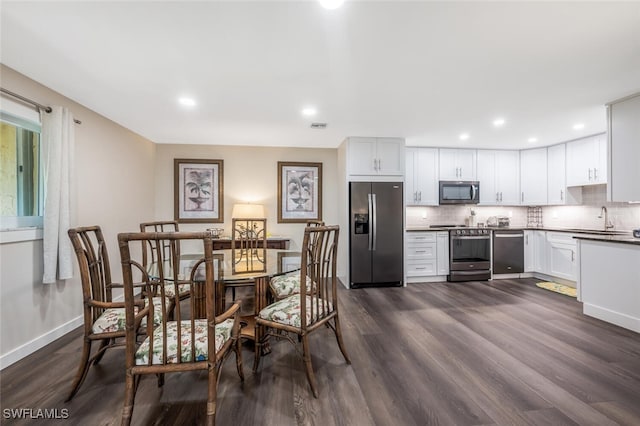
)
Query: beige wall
[
  {"x": 250, "y": 175},
  {"x": 114, "y": 188}
]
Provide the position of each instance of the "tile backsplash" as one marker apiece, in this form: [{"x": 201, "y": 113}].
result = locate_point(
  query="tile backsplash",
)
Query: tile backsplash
[{"x": 624, "y": 216}]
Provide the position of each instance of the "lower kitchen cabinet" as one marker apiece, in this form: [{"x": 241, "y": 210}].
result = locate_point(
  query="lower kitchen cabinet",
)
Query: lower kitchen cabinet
[
  {"x": 535, "y": 251},
  {"x": 562, "y": 255},
  {"x": 611, "y": 294},
  {"x": 426, "y": 255}
]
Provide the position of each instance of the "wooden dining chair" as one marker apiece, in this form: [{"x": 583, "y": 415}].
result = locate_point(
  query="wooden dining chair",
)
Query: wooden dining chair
[
  {"x": 192, "y": 342},
  {"x": 151, "y": 249},
  {"x": 314, "y": 306},
  {"x": 103, "y": 318}
]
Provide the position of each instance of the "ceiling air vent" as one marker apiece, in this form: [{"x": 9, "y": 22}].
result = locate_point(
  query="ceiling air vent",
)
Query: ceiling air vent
[{"x": 318, "y": 125}]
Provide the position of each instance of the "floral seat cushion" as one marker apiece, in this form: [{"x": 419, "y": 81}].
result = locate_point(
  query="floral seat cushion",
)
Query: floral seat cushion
[
  {"x": 287, "y": 284},
  {"x": 170, "y": 290},
  {"x": 287, "y": 311},
  {"x": 223, "y": 334},
  {"x": 112, "y": 319}
]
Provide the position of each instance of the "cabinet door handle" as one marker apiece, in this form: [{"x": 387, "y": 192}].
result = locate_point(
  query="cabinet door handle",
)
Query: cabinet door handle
[
  {"x": 589, "y": 174},
  {"x": 500, "y": 195},
  {"x": 522, "y": 197},
  {"x": 421, "y": 251},
  {"x": 526, "y": 239},
  {"x": 497, "y": 196},
  {"x": 573, "y": 255},
  {"x": 379, "y": 164},
  {"x": 595, "y": 174},
  {"x": 561, "y": 195},
  {"x": 419, "y": 195}
]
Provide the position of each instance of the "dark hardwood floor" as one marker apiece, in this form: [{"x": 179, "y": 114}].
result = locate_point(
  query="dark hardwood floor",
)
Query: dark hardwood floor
[{"x": 480, "y": 353}]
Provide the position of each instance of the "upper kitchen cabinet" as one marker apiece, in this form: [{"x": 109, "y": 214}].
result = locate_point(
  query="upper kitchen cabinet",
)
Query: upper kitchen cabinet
[
  {"x": 624, "y": 149},
  {"x": 587, "y": 161},
  {"x": 369, "y": 157},
  {"x": 457, "y": 164},
  {"x": 557, "y": 191},
  {"x": 499, "y": 177},
  {"x": 533, "y": 177},
  {"x": 421, "y": 180}
]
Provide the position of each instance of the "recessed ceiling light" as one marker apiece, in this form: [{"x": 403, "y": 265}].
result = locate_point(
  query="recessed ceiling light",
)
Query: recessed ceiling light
[
  {"x": 578, "y": 126},
  {"x": 309, "y": 111},
  {"x": 464, "y": 136},
  {"x": 188, "y": 102},
  {"x": 532, "y": 140},
  {"x": 331, "y": 4},
  {"x": 498, "y": 122}
]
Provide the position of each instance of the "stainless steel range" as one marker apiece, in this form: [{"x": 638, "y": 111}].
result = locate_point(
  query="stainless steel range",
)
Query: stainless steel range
[{"x": 469, "y": 254}]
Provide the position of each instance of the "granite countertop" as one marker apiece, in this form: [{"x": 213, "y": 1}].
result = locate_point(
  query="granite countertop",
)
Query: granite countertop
[
  {"x": 583, "y": 234},
  {"x": 625, "y": 239}
]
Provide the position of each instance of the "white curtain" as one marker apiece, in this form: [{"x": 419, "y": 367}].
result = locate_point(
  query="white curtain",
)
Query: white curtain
[{"x": 57, "y": 157}]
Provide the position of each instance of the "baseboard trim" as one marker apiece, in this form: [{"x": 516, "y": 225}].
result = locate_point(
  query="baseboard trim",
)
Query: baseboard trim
[
  {"x": 613, "y": 317},
  {"x": 39, "y": 342}
]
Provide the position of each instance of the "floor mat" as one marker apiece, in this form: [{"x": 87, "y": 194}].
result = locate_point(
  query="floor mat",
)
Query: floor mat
[{"x": 558, "y": 288}]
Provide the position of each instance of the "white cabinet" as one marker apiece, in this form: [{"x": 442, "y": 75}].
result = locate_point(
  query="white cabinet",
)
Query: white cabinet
[
  {"x": 421, "y": 180},
  {"x": 535, "y": 251},
  {"x": 624, "y": 148},
  {"x": 533, "y": 177},
  {"x": 375, "y": 156},
  {"x": 612, "y": 293},
  {"x": 421, "y": 254},
  {"x": 561, "y": 255},
  {"x": 587, "y": 161},
  {"x": 443, "y": 253},
  {"x": 529, "y": 251},
  {"x": 556, "y": 169},
  {"x": 426, "y": 254},
  {"x": 457, "y": 164},
  {"x": 499, "y": 177}
]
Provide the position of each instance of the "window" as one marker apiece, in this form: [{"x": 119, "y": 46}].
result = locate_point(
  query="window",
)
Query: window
[{"x": 21, "y": 180}]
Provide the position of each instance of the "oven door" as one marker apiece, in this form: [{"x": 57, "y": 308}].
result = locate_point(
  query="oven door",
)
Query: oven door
[{"x": 470, "y": 252}]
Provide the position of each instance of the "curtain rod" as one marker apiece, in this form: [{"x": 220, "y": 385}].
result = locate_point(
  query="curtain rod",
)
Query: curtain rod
[{"x": 35, "y": 104}]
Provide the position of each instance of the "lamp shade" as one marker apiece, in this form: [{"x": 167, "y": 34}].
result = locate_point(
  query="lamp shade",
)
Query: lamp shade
[{"x": 247, "y": 211}]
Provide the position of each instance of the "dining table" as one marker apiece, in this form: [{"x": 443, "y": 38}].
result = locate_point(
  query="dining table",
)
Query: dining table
[{"x": 250, "y": 267}]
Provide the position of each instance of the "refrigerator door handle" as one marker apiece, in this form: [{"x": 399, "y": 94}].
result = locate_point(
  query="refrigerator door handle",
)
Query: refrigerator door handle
[
  {"x": 370, "y": 200},
  {"x": 375, "y": 221}
]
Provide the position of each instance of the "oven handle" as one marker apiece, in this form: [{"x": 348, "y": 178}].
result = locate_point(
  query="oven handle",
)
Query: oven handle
[
  {"x": 479, "y": 237},
  {"x": 497, "y": 235},
  {"x": 473, "y": 192}
]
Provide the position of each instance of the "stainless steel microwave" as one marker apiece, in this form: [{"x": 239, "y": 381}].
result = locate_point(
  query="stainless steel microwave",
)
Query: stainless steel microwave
[{"x": 459, "y": 192}]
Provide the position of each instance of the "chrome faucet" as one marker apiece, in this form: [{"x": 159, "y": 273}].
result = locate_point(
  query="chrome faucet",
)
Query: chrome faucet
[{"x": 607, "y": 223}]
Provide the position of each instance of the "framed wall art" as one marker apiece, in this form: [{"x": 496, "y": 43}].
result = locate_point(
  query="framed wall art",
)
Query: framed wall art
[
  {"x": 299, "y": 192},
  {"x": 198, "y": 191}
]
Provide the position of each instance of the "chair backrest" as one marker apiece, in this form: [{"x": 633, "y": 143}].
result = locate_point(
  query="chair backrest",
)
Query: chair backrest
[
  {"x": 150, "y": 248},
  {"x": 315, "y": 223},
  {"x": 249, "y": 233},
  {"x": 95, "y": 271},
  {"x": 319, "y": 264},
  {"x": 199, "y": 273}
]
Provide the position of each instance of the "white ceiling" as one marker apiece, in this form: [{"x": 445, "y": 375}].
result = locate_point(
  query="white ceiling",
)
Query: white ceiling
[{"x": 425, "y": 71}]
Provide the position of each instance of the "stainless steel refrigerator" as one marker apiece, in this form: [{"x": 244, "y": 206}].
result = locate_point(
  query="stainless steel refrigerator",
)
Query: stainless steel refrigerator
[{"x": 375, "y": 234}]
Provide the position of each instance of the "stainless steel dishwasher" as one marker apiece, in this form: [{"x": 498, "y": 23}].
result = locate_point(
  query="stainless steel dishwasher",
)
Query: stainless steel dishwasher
[{"x": 508, "y": 251}]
